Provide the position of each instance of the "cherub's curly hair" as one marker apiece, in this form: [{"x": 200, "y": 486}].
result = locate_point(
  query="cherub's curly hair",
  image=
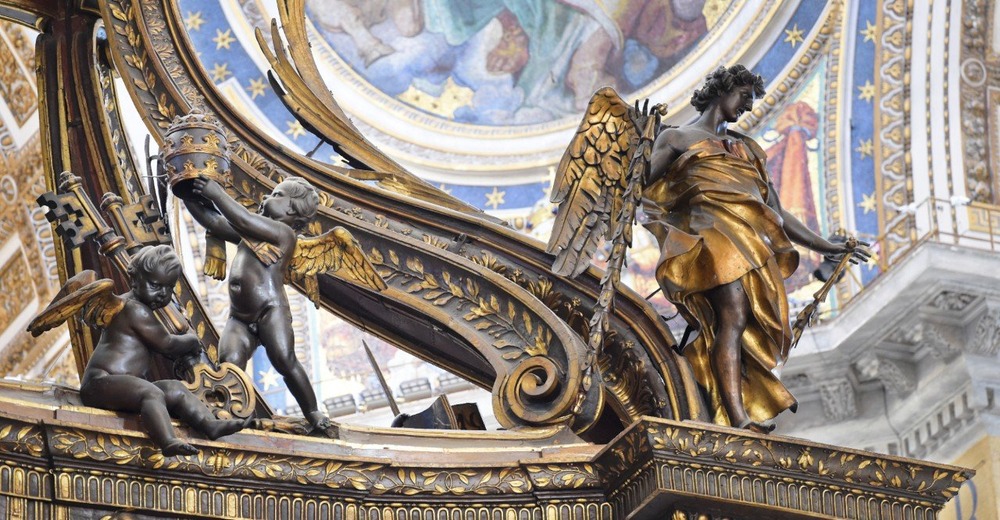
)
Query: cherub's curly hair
[
  {"x": 723, "y": 81},
  {"x": 304, "y": 200},
  {"x": 152, "y": 257}
]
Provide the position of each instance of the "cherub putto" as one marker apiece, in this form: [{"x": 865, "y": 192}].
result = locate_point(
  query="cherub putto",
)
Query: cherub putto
[{"x": 115, "y": 377}]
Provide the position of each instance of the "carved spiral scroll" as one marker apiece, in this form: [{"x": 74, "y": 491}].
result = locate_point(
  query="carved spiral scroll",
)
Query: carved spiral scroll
[{"x": 534, "y": 391}]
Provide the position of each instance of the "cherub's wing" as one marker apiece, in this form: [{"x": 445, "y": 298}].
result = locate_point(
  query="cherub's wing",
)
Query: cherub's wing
[
  {"x": 93, "y": 300},
  {"x": 590, "y": 182},
  {"x": 336, "y": 252}
]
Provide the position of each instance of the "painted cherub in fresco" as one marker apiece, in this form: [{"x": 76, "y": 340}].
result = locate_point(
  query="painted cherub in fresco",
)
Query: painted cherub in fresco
[
  {"x": 115, "y": 377},
  {"x": 269, "y": 250}
]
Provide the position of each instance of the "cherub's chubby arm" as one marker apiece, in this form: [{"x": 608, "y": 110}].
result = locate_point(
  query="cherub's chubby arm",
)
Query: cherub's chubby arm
[
  {"x": 213, "y": 221},
  {"x": 243, "y": 222},
  {"x": 154, "y": 336}
]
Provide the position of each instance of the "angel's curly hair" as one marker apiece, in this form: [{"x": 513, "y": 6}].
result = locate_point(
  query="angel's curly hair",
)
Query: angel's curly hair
[
  {"x": 150, "y": 258},
  {"x": 303, "y": 199},
  {"x": 723, "y": 81}
]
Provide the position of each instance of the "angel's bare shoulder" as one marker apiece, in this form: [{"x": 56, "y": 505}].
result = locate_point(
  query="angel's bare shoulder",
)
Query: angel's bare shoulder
[{"x": 667, "y": 147}]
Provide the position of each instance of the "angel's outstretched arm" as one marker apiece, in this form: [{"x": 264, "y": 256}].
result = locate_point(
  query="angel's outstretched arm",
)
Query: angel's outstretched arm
[{"x": 802, "y": 235}]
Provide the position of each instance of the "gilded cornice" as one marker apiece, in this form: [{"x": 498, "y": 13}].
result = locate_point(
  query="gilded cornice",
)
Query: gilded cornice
[{"x": 104, "y": 466}]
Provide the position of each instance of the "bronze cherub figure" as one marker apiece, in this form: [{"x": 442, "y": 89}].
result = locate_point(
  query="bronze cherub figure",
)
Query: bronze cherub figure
[
  {"x": 115, "y": 377},
  {"x": 270, "y": 251}
]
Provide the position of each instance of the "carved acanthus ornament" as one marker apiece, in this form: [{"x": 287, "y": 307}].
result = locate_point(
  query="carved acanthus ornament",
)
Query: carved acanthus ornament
[
  {"x": 952, "y": 301},
  {"x": 891, "y": 119},
  {"x": 978, "y": 67},
  {"x": 986, "y": 338},
  {"x": 838, "y": 398},
  {"x": 873, "y": 367}
]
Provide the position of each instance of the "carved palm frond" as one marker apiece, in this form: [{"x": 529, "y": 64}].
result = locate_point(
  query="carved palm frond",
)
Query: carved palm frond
[{"x": 297, "y": 81}]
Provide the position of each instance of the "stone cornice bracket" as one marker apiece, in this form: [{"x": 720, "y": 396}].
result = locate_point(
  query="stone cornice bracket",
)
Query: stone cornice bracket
[
  {"x": 871, "y": 367},
  {"x": 938, "y": 339}
]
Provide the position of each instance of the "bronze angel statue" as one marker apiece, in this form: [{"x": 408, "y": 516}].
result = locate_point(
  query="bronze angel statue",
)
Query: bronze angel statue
[
  {"x": 115, "y": 377},
  {"x": 271, "y": 252},
  {"x": 725, "y": 241}
]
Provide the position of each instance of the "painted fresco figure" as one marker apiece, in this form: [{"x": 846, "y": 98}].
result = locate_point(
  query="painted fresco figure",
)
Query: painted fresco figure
[
  {"x": 726, "y": 247},
  {"x": 526, "y": 61},
  {"x": 115, "y": 376},
  {"x": 356, "y": 17}
]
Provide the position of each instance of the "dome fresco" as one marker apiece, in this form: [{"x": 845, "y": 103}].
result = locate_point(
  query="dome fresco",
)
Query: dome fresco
[
  {"x": 510, "y": 62},
  {"x": 482, "y": 97}
]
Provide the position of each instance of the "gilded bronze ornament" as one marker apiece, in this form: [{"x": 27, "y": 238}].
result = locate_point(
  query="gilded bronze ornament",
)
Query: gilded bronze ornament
[
  {"x": 575, "y": 363},
  {"x": 194, "y": 146}
]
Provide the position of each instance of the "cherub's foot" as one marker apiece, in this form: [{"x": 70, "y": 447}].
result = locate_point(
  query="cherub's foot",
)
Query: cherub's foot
[
  {"x": 178, "y": 447},
  {"x": 322, "y": 425},
  {"x": 221, "y": 428},
  {"x": 318, "y": 420}
]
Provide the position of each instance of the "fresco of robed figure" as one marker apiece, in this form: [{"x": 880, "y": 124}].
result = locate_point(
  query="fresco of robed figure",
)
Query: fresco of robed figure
[{"x": 518, "y": 62}]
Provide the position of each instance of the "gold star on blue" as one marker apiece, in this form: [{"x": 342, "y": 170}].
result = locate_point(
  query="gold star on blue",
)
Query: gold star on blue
[
  {"x": 220, "y": 71},
  {"x": 257, "y": 87},
  {"x": 495, "y": 198},
  {"x": 794, "y": 36},
  {"x": 295, "y": 129},
  {"x": 223, "y": 39},
  {"x": 268, "y": 379},
  {"x": 865, "y": 148},
  {"x": 194, "y": 21},
  {"x": 866, "y": 92},
  {"x": 868, "y": 203},
  {"x": 870, "y": 31}
]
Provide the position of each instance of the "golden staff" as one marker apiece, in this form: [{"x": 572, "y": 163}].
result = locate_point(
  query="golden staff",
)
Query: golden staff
[{"x": 807, "y": 315}]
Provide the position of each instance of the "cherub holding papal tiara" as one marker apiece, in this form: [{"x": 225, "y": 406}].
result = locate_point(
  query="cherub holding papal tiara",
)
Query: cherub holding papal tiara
[{"x": 269, "y": 249}]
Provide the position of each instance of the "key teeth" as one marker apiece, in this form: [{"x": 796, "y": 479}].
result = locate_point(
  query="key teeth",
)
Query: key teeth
[{"x": 70, "y": 231}]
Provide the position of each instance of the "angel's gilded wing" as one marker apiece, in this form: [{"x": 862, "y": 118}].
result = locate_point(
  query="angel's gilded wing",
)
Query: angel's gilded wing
[
  {"x": 92, "y": 300},
  {"x": 336, "y": 252},
  {"x": 590, "y": 182}
]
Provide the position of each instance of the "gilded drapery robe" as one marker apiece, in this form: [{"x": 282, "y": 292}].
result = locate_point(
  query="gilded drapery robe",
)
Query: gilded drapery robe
[{"x": 710, "y": 215}]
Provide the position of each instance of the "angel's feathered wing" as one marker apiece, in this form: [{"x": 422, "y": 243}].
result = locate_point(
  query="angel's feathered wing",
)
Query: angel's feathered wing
[
  {"x": 83, "y": 295},
  {"x": 590, "y": 182},
  {"x": 336, "y": 252}
]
